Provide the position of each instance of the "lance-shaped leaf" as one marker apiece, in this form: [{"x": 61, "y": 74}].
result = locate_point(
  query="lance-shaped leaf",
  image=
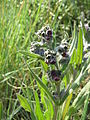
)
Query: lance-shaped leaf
[
  {"x": 26, "y": 105},
  {"x": 33, "y": 55},
  {"x": 49, "y": 111},
  {"x": 74, "y": 41},
  {"x": 38, "y": 109},
  {"x": 42, "y": 85},
  {"x": 73, "y": 57},
  {"x": 43, "y": 93},
  {"x": 80, "y": 47},
  {"x": 45, "y": 66},
  {"x": 66, "y": 106},
  {"x": 77, "y": 82}
]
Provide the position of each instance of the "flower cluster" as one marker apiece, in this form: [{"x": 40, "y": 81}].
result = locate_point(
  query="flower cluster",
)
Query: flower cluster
[
  {"x": 50, "y": 56},
  {"x": 46, "y": 33},
  {"x": 62, "y": 52},
  {"x": 37, "y": 48}
]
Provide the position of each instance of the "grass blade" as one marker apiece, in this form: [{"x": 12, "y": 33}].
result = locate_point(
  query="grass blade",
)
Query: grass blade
[
  {"x": 85, "y": 90},
  {"x": 85, "y": 108}
]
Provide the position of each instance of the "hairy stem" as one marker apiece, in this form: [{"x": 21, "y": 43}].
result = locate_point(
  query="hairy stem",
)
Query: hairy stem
[{"x": 55, "y": 112}]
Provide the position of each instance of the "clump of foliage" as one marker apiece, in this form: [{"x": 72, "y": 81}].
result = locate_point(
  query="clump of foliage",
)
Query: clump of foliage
[{"x": 44, "y": 60}]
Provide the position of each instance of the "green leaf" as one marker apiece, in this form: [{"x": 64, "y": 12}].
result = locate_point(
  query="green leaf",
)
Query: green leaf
[
  {"x": 66, "y": 106},
  {"x": 38, "y": 111},
  {"x": 45, "y": 66},
  {"x": 73, "y": 57},
  {"x": 26, "y": 105},
  {"x": 77, "y": 82},
  {"x": 1, "y": 110},
  {"x": 74, "y": 41},
  {"x": 42, "y": 85},
  {"x": 84, "y": 91},
  {"x": 31, "y": 54},
  {"x": 71, "y": 111},
  {"x": 80, "y": 47},
  {"x": 42, "y": 92},
  {"x": 80, "y": 102},
  {"x": 85, "y": 108},
  {"x": 49, "y": 111}
]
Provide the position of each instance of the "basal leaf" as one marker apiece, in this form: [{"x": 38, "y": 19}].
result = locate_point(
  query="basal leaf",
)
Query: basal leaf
[
  {"x": 77, "y": 82},
  {"x": 80, "y": 102}
]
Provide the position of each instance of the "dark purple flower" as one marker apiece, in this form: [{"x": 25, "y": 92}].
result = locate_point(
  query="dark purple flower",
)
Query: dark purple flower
[
  {"x": 37, "y": 50},
  {"x": 50, "y": 57},
  {"x": 50, "y": 61},
  {"x": 64, "y": 54},
  {"x": 56, "y": 75},
  {"x": 47, "y": 62},
  {"x": 56, "y": 78},
  {"x": 53, "y": 61},
  {"x": 47, "y": 38},
  {"x": 49, "y": 33},
  {"x": 53, "y": 73}
]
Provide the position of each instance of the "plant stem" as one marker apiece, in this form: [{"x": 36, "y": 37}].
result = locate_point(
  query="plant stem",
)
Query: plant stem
[
  {"x": 55, "y": 112},
  {"x": 55, "y": 106}
]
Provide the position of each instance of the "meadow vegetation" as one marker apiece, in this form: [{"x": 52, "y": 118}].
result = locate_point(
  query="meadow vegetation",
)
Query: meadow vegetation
[{"x": 44, "y": 60}]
